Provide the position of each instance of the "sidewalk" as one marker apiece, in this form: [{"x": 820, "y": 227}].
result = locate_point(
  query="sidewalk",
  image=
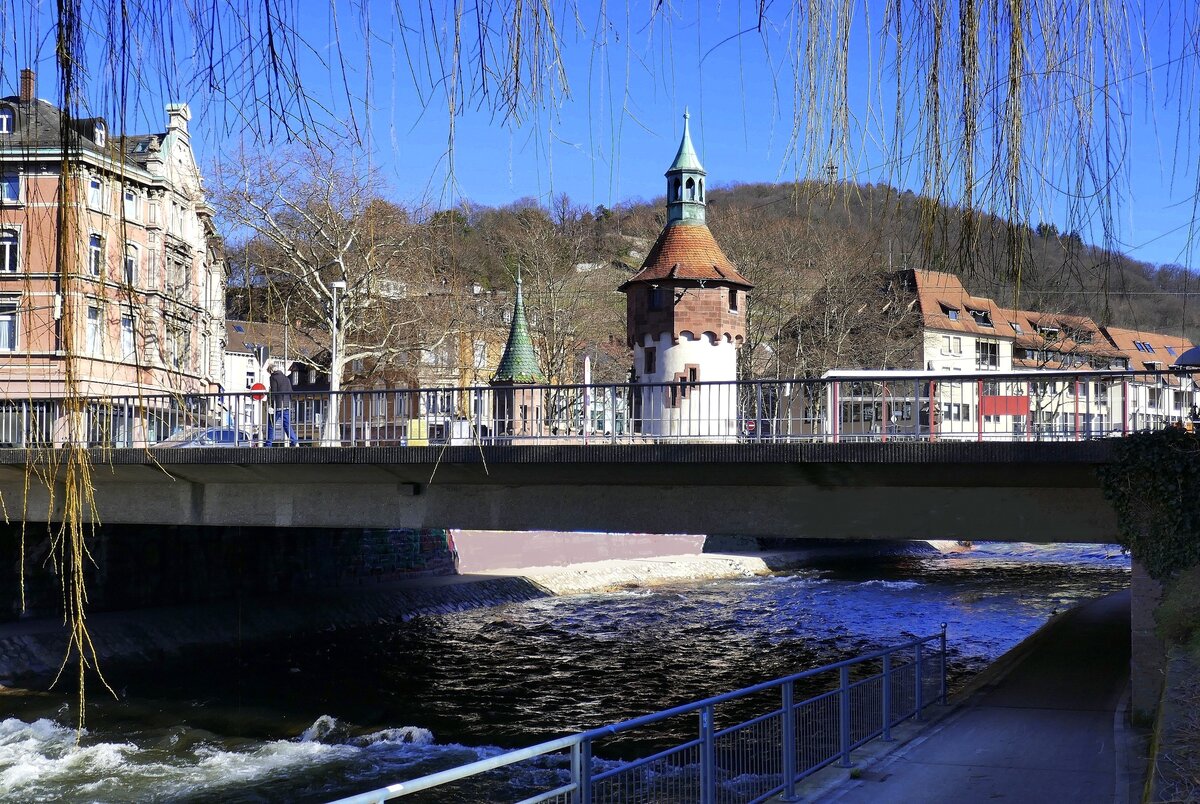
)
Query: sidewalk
[{"x": 1046, "y": 731}]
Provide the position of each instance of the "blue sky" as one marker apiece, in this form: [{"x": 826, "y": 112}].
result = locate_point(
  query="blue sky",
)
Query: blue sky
[{"x": 611, "y": 139}]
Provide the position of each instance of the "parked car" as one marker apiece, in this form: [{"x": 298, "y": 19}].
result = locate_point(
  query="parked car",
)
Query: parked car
[{"x": 207, "y": 437}]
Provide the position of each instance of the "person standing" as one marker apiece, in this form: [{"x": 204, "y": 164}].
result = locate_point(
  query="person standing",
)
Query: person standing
[{"x": 281, "y": 407}]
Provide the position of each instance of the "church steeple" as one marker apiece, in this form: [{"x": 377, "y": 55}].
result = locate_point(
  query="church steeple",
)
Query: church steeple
[{"x": 685, "y": 182}]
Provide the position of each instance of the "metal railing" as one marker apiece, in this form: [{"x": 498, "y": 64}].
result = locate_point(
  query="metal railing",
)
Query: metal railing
[
  {"x": 730, "y": 760},
  {"x": 840, "y": 407}
]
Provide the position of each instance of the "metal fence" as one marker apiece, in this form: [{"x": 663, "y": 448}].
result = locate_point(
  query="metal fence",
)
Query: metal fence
[
  {"x": 840, "y": 407},
  {"x": 749, "y": 745}
]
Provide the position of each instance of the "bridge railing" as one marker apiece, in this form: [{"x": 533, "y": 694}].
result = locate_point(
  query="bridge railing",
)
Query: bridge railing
[
  {"x": 748, "y": 745},
  {"x": 840, "y": 407}
]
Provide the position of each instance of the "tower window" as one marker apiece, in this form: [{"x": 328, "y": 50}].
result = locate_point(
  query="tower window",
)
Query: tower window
[
  {"x": 99, "y": 134},
  {"x": 702, "y": 189},
  {"x": 733, "y": 300},
  {"x": 675, "y": 192},
  {"x": 691, "y": 189},
  {"x": 650, "y": 361},
  {"x": 655, "y": 300}
]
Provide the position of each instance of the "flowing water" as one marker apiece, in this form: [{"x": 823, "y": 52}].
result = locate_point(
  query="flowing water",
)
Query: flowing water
[{"x": 338, "y": 713}]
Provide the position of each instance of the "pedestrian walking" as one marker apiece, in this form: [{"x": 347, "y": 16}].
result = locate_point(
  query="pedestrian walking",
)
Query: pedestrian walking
[{"x": 280, "y": 410}]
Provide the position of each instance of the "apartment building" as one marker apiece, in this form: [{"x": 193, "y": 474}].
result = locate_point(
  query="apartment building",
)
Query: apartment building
[{"x": 111, "y": 273}]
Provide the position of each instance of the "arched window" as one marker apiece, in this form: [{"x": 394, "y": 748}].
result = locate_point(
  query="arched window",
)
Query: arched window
[
  {"x": 8, "y": 120},
  {"x": 10, "y": 246},
  {"x": 95, "y": 254},
  {"x": 674, "y": 189},
  {"x": 702, "y": 189},
  {"x": 99, "y": 134},
  {"x": 133, "y": 259},
  {"x": 691, "y": 189}
]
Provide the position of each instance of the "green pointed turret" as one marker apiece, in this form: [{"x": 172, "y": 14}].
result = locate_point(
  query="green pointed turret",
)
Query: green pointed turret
[
  {"x": 686, "y": 158},
  {"x": 685, "y": 182},
  {"x": 519, "y": 365}
]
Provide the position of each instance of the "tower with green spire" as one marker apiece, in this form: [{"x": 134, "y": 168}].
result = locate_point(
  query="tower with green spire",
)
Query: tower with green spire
[
  {"x": 518, "y": 365},
  {"x": 685, "y": 182},
  {"x": 517, "y": 399}
]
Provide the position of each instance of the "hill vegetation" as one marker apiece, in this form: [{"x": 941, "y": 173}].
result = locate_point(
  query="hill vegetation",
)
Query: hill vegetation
[{"x": 819, "y": 254}]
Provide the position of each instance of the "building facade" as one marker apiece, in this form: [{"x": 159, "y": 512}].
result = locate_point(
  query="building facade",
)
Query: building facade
[{"x": 111, "y": 273}]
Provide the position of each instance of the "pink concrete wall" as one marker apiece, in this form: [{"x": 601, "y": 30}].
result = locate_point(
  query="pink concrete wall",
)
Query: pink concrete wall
[{"x": 482, "y": 550}]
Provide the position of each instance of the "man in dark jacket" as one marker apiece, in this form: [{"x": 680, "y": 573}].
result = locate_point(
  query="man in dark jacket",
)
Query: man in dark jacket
[{"x": 280, "y": 402}]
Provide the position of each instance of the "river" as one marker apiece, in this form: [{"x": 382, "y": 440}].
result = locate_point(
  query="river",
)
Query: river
[{"x": 337, "y": 713}]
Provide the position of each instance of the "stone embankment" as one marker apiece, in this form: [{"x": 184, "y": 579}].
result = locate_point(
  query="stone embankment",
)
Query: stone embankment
[{"x": 32, "y": 651}]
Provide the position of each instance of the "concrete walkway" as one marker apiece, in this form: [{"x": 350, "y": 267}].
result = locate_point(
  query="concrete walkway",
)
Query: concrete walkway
[{"x": 1045, "y": 731}]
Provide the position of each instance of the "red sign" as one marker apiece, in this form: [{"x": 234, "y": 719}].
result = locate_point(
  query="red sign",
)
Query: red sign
[{"x": 257, "y": 390}]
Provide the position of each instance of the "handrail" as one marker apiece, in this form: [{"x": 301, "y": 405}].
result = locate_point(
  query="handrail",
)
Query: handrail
[
  {"x": 582, "y": 777},
  {"x": 848, "y": 406}
]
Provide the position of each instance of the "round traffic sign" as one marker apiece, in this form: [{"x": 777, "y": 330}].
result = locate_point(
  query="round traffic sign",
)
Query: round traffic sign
[{"x": 257, "y": 391}]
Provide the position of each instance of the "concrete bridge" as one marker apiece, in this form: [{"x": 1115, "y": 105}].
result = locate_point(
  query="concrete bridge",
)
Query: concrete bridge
[{"x": 1000, "y": 491}]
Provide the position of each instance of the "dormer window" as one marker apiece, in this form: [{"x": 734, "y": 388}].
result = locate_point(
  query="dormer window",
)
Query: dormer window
[
  {"x": 950, "y": 312},
  {"x": 8, "y": 120},
  {"x": 1049, "y": 333},
  {"x": 1017, "y": 328},
  {"x": 99, "y": 135},
  {"x": 982, "y": 317}
]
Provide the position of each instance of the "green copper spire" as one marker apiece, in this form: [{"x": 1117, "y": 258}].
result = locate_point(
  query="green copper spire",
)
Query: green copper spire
[
  {"x": 685, "y": 182},
  {"x": 686, "y": 158},
  {"x": 519, "y": 364}
]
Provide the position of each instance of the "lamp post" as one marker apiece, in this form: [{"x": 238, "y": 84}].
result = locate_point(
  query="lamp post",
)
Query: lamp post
[{"x": 335, "y": 369}]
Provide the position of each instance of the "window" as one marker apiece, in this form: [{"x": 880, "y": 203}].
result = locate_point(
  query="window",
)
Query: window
[
  {"x": 982, "y": 317},
  {"x": 691, "y": 189},
  {"x": 94, "y": 339},
  {"x": 649, "y": 361},
  {"x": 1155, "y": 397},
  {"x": 655, "y": 300},
  {"x": 733, "y": 300},
  {"x": 1149, "y": 348},
  {"x": 126, "y": 337},
  {"x": 95, "y": 196},
  {"x": 99, "y": 134},
  {"x": 251, "y": 378},
  {"x": 945, "y": 344},
  {"x": 10, "y": 188},
  {"x": 8, "y": 120},
  {"x": 132, "y": 263},
  {"x": 10, "y": 247},
  {"x": 95, "y": 254},
  {"x": 1138, "y": 345},
  {"x": 950, "y": 312},
  {"x": 1016, "y": 328},
  {"x": 1170, "y": 350},
  {"x": 956, "y": 345},
  {"x": 8, "y": 323},
  {"x": 132, "y": 205},
  {"x": 987, "y": 354}
]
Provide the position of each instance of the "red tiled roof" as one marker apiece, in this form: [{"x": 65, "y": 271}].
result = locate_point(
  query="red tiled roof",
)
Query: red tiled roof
[
  {"x": 1126, "y": 341},
  {"x": 687, "y": 251}
]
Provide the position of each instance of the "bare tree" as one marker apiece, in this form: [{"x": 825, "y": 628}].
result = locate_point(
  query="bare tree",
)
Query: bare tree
[{"x": 311, "y": 228}]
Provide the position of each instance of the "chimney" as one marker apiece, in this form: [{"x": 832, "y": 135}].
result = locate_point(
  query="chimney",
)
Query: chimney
[{"x": 27, "y": 85}]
